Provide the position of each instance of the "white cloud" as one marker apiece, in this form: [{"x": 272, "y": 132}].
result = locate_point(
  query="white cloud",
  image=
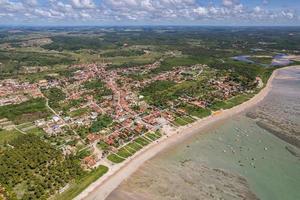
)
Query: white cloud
[
  {"x": 257, "y": 9},
  {"x": 87, "y": 4},
  {"x": 229, "y": 3},
  {"x": 31, "y": 2},
  {"x": 141, "y": 11},
  {"x": 202, "y": 11}
]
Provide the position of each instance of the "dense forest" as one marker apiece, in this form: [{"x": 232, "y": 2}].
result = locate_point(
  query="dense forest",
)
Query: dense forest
[{"x": 36, "y": 167}]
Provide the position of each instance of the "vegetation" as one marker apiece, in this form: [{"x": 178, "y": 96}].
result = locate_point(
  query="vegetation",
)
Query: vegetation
[
  {"x": 124, "y": 153},
  {"x": 102, "y": 122},
  {"x": 196, "y": 111},
  {"x": 25, "y": 112},
  {"x": 54, "y": 95},
  {"x": 141, "y": 141},
  {"x": 81, "y": 183},
  {"x": 74, "y": 43},
  {"x": 218, "y": 105},
  {"x": 13, "y": 60},
  {"x": 79, "y": 112},
  {"x": 115, "y": 159},
  {"x": 170, "y": 63},
  {"x": 7, "y": 136},
  {"x": 98, "y": 87},
  {"x": 125, "y": 53},
  {"x": 34, "y": 169},
  {"x": 153, "y": 92}
]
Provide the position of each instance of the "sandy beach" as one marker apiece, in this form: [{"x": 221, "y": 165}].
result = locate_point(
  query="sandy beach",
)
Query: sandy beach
[{"x": 101, "y": 188}]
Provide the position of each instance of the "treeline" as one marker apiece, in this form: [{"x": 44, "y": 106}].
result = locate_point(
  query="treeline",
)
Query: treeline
[
  {"x": 35, "y": 58},
  {"x": 73, "y": 43},
  {"x": 124, "y": 53}
]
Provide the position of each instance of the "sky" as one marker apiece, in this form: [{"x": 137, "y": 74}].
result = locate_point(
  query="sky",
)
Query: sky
[{"x": 150, "y": 12}]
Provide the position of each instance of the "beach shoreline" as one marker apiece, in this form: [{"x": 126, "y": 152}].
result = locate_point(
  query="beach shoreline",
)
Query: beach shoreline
[{"x": 101, "y": 188}]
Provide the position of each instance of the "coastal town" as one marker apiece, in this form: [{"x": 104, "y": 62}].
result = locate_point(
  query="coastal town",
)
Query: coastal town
[
  {"x": 78, "y": 105},
  {"x": 109, "y": 117}
]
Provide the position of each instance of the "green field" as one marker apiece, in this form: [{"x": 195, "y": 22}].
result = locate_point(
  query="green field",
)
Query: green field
[
  {"x": 124, "y": 153},
  {"x": 141, "y": 141},
  {"x": 114, "y": 158},
  {"x": 78, "y": 112},
  {"x": 25, "y": 112},
  {"x": 184, "y": 120},
  {"x": 196, "y": 111},
  {"x": 130, "y": 148},
  {"x": 234, "y": 101}
]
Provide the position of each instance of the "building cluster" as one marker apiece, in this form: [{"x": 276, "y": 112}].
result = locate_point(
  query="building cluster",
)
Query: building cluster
[
  {"x": 14, "y": 92},
  {"x": 132, "y": 116},
  {"x": 226, "y": 87}
]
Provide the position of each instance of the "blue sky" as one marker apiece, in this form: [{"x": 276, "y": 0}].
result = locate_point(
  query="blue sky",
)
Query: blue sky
[{"x": 150, "y": 12}]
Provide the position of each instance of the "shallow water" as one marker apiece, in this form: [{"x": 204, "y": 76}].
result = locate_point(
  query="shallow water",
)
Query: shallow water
[{"x": 237, "y": 146}]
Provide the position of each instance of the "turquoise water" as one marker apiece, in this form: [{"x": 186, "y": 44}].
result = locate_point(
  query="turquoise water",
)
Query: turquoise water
[
  {"x": 251, "y": 158},
  {"x": 240, "y": 146}
]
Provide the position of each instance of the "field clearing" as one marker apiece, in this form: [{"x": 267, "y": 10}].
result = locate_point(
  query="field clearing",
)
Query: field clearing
[{"x": 7, "y": 136}]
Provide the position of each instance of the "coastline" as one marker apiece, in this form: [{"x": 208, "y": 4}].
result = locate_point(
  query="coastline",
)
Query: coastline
[{"x": 101, "y": 188}]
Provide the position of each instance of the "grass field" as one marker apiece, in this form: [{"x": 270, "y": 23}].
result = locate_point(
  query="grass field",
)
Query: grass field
[
  {"x": 131, "y": 148},
  {"x": 182, "y": 121},
  {"x": 114, "y": 158},
  {"x": 196, "y": 111},
  {"x": 231, "y": 102},
  {"x": 141, "y": 141},
  {"x": 79, "y": 185},
  {"x": 78, "y": 112},
  {"x": 25, "y": 112},
  {"x": 124, "y": 153}
]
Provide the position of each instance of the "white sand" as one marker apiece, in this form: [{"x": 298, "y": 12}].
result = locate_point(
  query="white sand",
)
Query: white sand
[{"x": 101, "y": 188}]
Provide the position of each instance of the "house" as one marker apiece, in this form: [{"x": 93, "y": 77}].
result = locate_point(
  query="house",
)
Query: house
[
  {"x": 89, "y": 162},
  {"x": 93, "y": 137}
]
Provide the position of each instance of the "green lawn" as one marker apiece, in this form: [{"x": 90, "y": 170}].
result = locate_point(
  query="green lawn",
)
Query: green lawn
[
  {"x": 114, "y": 158},
  {"x": 135, "y": 145},
  {"x": 150, "y": 136},
  {"x": 180, "y": 121},
  {"x": 82, "y": 183},
  {"x": 158, "y": 134},
  {"x": 124, "y": 153},
  {"x": 133, "y": 151},
  {"x": 132, "y": 148},
  {"x": 141, "y": 141},
  {"x": 148, "y": 140}
]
